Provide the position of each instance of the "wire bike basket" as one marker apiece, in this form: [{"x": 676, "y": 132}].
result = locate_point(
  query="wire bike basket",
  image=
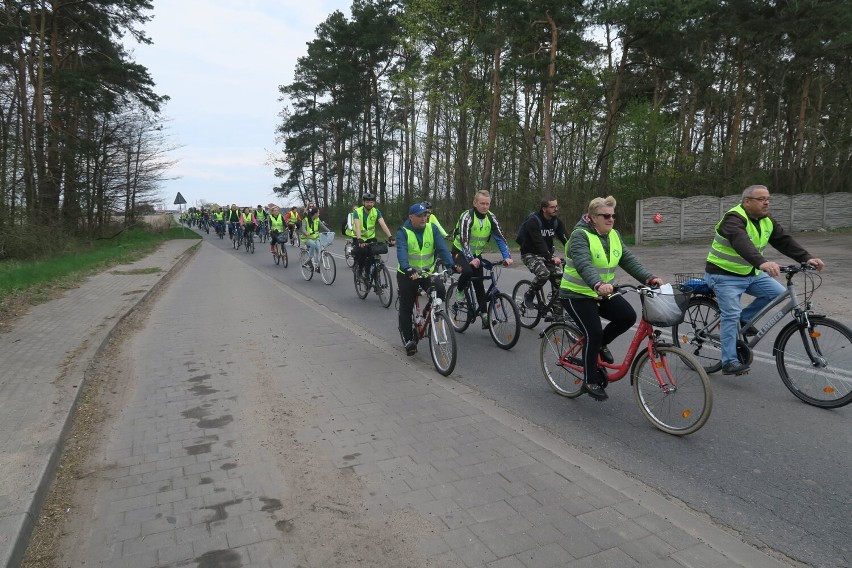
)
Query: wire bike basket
[
  {"x": 326, "y": 239},
  {"x": 694, "y": 280}
]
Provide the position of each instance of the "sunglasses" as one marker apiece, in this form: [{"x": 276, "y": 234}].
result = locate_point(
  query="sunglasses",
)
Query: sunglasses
[{"x": 607, "y": 216}]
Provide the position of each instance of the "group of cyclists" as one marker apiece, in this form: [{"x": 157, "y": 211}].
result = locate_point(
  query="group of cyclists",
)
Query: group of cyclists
[{"x": 581, "y": 283}]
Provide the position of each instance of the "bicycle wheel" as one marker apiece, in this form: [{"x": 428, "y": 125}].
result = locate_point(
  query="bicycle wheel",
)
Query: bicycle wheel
[
  {"x": 529, "y": 318},
  {"x": 362, "y": 287},
  {"x": 442, "y": 343},
  {"x": 285, "y": 260},
  {"x": 347, "y": 252},
  {"x": 384, "y": 286},
  {"x": 276, "y": 255},
  {"x": 457, "y": 309},
  {"x": 557, "y": 341},
  {"x": 826, "y": 380},
  {"x": 504, "y": 321},
  {"x": 328, "y": 269},
  {"x": 251, "y": 245},
  {"x": 694, "y": 337},
  {"x": 306, "y": 266},
  {"x": 680, "y": 405}
]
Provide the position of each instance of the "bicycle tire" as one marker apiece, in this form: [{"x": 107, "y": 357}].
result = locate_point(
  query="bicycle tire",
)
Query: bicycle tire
[
  {"x": 362, "y": 288},
  {"x": 328, "y": 269},
  {"x": 555, "y": 341},
  {"x": 457, "y": 310},
  {"x": 708, "y": 350},
  {"x": 529, "y": 318},
  {"x": 251, "y": 245},
  {"x": 307, "y": 271},
  {"x": 678, "y": 411},
  {"x": 284, "y": 256},
  {"x": 442, "y": 344},
  {"x": 276, "y": 256},
  {"x": 828, "y": 384},
  {"x": 504, "y": 321},
  {"x": 347, "y": 253},
  {"x": 384, "y": 286}
]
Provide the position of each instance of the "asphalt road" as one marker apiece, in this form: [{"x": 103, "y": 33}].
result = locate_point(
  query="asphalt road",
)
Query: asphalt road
[{"x": 767, "y": 466}]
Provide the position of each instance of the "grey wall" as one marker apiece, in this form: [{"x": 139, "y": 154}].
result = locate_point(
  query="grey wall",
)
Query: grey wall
[{"x": 695, "y": 217}]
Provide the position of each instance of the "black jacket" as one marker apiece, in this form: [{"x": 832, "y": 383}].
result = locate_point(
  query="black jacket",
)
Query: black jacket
[{"x": 540, "y": 234}]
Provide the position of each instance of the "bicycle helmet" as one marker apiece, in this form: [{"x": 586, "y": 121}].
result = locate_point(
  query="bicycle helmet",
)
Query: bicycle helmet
[{"x": 369, "y": 197}]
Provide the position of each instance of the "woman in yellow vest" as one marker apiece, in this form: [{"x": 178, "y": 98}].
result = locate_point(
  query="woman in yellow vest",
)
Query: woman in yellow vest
[
  {"x": 591, "y": 255},
  {"x": 311, "y": 227},
  {"x": 276, "y": 227}
]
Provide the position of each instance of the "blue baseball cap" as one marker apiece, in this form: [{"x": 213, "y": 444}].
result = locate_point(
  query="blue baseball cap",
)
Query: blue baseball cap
[{"x": 417, "y": 209}]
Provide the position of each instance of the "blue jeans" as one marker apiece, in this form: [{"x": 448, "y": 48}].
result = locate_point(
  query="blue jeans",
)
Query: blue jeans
[
  {"x": 729, "y": 291},
  {"x": 313, "y": 250}
]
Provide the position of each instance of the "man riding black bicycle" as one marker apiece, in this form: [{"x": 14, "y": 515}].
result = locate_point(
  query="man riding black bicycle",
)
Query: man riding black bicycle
[
  {"x": 420, "y": 245},
  {"x": 364, "y": 220},
  {"x": 537, "y": 252}
]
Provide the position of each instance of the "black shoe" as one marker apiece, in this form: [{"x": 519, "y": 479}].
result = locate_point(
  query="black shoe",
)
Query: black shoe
[
  {"x": 606, "y": 355},
  {"x": 529, "y": 300},
  {"x": 735, "y": 368},
  {"x": 597, "y": 392},
  {"x": 410, "y": 347}
]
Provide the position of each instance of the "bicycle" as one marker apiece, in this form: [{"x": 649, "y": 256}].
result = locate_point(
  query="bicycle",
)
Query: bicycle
[
  {"x": 818, "y": 371},
  {"x": 280, "y": 253},
  {"x": 377, "y": 277},
  {"x": 238, "y": 237},
  {"x": 670, "y": 386},
  {"x": 502, "y": 318},
  {"x": 248, "y": 241},
  {"x": 347, "y": 253},
  {"x": 432, "y": 321},
  {"x": 262, "y": 232},
  {"x": 546, "y": 308},
  {"x": 220, "y": 230},
  {"x": 327, "y": 268},
  {"x": 295, "y": 238}
]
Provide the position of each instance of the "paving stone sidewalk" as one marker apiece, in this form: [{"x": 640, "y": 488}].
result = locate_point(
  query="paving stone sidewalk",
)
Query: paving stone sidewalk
[
  {"x": 42, "y": 364},
  {"x": 193, "y": 478}
]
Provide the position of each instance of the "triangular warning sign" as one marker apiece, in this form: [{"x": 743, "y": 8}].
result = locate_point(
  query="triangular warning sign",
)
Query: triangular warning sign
[{"x": 179, "y": 200}]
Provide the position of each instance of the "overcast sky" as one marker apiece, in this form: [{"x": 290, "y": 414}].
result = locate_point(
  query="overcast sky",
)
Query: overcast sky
[{"x": 221, "y": 62}]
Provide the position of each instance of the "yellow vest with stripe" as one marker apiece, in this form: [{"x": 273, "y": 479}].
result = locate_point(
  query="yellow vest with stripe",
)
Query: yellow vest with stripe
[
  {"x": 571, "y": 279},
  {"x": 312, "y": 232},
  {"x": 276, "y": 223},
  {"x": 368, "y": 225},
  {"x": 479, "y": 233},
  {"x": 260, "y": 215},
  {"x": 247, "y": 218},
  {"x": 723, "y": 255},
  {"x": 421, "y": 258},
  {"x": 218, "y": 216}
]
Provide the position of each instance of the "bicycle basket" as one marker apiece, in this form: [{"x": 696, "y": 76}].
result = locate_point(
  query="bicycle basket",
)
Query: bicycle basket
[
  {"x": 664, "y": 307},
  {"x": 326, "y": 239},
  {"x": 694, "y": 280},
  {"x": 377, "y": 248}
]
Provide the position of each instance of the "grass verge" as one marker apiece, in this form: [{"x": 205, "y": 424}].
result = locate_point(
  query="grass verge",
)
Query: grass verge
[{"x": 27, "y": 283}]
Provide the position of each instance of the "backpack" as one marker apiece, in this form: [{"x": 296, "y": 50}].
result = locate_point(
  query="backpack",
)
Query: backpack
[{"x": 522, "y": 228}]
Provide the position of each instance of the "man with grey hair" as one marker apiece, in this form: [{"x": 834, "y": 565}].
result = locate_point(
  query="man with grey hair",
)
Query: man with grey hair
[{"x": 736, "y": 265}]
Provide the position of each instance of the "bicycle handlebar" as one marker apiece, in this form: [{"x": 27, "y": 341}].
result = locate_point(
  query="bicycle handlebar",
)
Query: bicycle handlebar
[{"x": 794, "y": 269}]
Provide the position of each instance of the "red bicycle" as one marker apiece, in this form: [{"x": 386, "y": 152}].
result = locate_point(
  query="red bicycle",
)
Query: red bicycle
[{"x": 669, "y": 385}]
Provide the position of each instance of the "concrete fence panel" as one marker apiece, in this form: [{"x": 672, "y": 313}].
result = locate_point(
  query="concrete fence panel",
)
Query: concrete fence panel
[{"x": 672, "y": 219}]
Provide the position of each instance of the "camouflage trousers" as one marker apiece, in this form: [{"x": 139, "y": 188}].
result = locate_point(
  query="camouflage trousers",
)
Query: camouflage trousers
[{"x": 543, "y": 270}]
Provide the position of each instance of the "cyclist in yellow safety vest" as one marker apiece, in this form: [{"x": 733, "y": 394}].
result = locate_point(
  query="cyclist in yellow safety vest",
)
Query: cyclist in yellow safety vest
[
  {"x": 232, "y": 218},
  {"x": 292, "y": 219},
  {"x": 311, "y": 227},
  {"x": 247, "y": 221},
  {"x": 433, "y": 220},
  {"x": 593, "y": 251},
  {"x": 419, "y": 248},
  {"x": 473, "y": 229},
  {"x": 364, "y": 221},
  {"x": 276, "y": 227},
  {"x": 736, "y": 266}
]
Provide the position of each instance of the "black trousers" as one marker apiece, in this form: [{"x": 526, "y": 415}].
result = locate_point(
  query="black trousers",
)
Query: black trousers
[
  {"x": 587, "y": 313},
  {"x": 467, "y": 272},
  {"x": 407, "y": 290}
]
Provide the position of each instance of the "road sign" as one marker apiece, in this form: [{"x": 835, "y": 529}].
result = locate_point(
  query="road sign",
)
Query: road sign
[{"x": 179, "y": 200}]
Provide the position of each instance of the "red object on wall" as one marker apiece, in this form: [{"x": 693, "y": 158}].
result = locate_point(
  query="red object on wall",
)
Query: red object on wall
[{"x": 658, "y": 218}]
